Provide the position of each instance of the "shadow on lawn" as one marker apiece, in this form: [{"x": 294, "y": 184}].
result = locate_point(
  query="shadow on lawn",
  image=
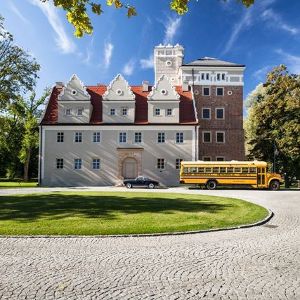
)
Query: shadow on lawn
[{"x": 57, "y": 206}]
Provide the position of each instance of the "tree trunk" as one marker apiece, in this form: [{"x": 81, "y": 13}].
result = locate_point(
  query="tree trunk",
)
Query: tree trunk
[{"x": 26, "y": 166}]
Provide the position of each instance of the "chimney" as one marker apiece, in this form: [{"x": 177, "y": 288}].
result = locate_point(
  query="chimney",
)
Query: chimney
[
  {"x": 59, "y": 84},
  {"x": 145, "y": 84},
  {"x": 185, "y": 86}
]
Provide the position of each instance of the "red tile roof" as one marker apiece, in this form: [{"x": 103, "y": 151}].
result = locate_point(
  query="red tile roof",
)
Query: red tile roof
[{"x": 186, "y": 106}]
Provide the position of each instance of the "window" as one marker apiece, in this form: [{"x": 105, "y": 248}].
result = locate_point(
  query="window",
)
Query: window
[
  {"x": 206, "y": 137},
  {"x": 122, "y": 137},
  {"x": 59, "y": 163},
  {"x": 169, "y": 112},
  {"x": 220, "y": 91},
  {"x": 206, "y": 91},
  {"x": 216, "y": 169},
  {"x": 222, "y": 170},
  {"x": 208, "y": 170},
  {"x": 160, "y": 163},
  {"x": 205, "y": 113},
  {"x": 157, "y": 111},
  {"x": 230, "y": 170},
  {"x": 220, "y": 158},
  {"x": 202, "y": 76},
  {"x": 179, "y": 137},
  {"x": 219, "y": 113},
  {"x": 60, "y": 137},
  {"x": 124, "y": 111},
  {"x": 206, "y": 158},
  {"x": 223, "y": 76},
  {"x": 78, "y": 137},
  {"x": 137, "y": 137},
  {"x": 112, "y": 112},
  {"x": 77, "y": 163},
  {"x": 252, "y": 170},
  {"x": 237, "y": 170},
  {"x": 96, "y": 137},
  {"x": 218, "y": 77},
  {"x": 177, "y": 164},
  {"x": 161, "y": 137},
  {"x": 220, "y": 137},
  {"x": 96, "y": 164},
  {"x": 207, "y": 76},
  {"x": 68, "y": 112},
  {"x": 79, "y": 111},
  {"x": 201, "y": 170},
  {"x": 245, "y": 170}
]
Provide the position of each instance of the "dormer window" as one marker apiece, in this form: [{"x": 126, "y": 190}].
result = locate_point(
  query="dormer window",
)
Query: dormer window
[
  {"x": 157, "y": 111},
  {"x": 80, "y": 111},
  {"x": 169, "y": 112},
  {"x": 124, "y": 111},
  {"x": 74, "y": 92},
  {"x": 112, "y": 112},
  {"x": 68, "y": 112},
  {"x": 163, "y": 92}
]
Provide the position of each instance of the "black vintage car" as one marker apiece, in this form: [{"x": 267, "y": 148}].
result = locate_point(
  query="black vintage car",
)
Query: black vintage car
[{"x": 140, "y": 181}]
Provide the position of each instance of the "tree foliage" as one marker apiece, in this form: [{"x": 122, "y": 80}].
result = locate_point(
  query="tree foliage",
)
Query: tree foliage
[
  {"x": 77, "y": 10},
  {"x": 18, "y": 70},
  {"x": 273, "y": 122}
]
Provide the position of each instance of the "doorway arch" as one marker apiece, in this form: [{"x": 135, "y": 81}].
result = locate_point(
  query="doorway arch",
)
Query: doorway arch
[{"x": 129, "y": 168}]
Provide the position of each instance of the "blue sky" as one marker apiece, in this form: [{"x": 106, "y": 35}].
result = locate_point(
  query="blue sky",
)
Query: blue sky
[{"x": 261, "y": 37}]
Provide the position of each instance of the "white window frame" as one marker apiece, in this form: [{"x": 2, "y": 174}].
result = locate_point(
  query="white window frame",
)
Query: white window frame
[
  {"x": 161, "y": 136},
  {"x": 68, "y": 110},
  {"x": 220, "y": 131},
  {"x": 80, "y": 109},
  {"x": 223, "y": 157},
  {"x": 141, "y": 137},
  {"x": 124, "y": 109},
  {"x": 180, "y": 136},
  {"x": 167, "y": 112},
  {"x": 216, "y": 116},
  {"x": 96, "y": 162},
  {"x": 95, "y": 136},
  {"x": 79, "y": 134},
  {"x": 155, "y": 112},
  {"x": 219, "y": 87},
  {"x": 61, "y": 160},
  {"x": 205, "y": 87},
  {"x": 79, "y": 160},
  {"x": 206, "y": 157},
  {"x": 112, "y": 110},
  {"x": 122, "y": 134},
  {"x": 160, "y": 163},
  {"x": 209, "y": 113},
  {"x": 60, "y": 137},
  {"x": 203, "y": 132}
]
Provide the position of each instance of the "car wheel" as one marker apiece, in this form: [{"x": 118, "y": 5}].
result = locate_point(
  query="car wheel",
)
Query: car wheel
[
  {"x": 274, "y": 185},
  {"x": 211, "y": 185},
  {"x": 129, "y": 185},
  {"x": 151, "y": 186}
]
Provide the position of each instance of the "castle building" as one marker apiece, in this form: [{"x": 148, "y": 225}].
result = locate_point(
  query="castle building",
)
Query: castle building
[{"x": 99, "y": 135}]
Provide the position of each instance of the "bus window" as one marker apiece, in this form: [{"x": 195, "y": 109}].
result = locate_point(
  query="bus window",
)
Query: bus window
[
  {"x": 215, "y": 170},
  {"x": 186, "y": 170},
  {"x": 252, "y": 170},
  {"x": 200, "y": 170},
  {"x": 230, "y": 170},
  {"x": 193, "y": 170},
  {"x": 237, "y": 170},
  {"x": 245, "y": 170},
  {"x": 207, "y": 170},
  {"x": 222, "y": 170}
]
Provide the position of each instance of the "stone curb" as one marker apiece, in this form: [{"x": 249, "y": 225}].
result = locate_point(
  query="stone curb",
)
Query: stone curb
[{"x": 259, "y": 223}]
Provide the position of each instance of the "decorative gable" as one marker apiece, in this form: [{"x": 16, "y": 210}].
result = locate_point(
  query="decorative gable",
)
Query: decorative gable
[
  {"x": 118, "y": 89},
  {"x": 74, "y": 91},
  {"x": 163, "y": 90}
]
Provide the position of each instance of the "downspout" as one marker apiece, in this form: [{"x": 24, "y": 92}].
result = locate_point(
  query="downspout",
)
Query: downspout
[{"x": 40, "y": 156}]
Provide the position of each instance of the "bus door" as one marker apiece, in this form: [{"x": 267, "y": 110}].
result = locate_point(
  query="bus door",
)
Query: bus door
[{"x": 261, "y": 177}]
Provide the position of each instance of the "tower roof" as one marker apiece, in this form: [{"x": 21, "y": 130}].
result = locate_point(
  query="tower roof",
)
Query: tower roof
[{"x": 212, "y": 62}]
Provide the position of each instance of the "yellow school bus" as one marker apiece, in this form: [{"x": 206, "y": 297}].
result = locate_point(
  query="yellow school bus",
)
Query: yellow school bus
[{"x": 214, "y": 173}]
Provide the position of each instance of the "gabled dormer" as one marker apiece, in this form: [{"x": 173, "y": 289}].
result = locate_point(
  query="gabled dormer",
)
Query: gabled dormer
[
  {"x": 74, "y": 103},
  {"x": 163, "y": 102},
  {"x": 118, "y": 102}
]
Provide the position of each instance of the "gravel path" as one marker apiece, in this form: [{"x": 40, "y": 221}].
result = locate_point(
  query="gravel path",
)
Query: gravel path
[{"x": 254, "y": 263}]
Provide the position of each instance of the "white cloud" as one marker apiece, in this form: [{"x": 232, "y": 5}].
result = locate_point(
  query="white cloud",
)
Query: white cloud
[
  {"x": 147, "y": 63},
  {"x": 108, "y": 50},
  {"x": 276, "y": 21},
  {"x": 63, "y": 41},
  {"x": 129, "y": 67},
  {"x": 292, "y": 61},
  {"x": 89, "y": 53},
  {"x": 261, "y": 73},
  {"x": 18, "y": 13},
  {"x": 171, "y": 28}
]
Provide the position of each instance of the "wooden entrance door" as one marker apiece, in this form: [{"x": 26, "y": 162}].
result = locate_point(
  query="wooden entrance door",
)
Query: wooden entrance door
[{"x": 129, "y": 169}]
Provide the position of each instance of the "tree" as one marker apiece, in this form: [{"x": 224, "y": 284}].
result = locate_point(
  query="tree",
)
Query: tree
[
  {"x": 29, "y": 110},
  {"x": 77, "y": 10},
  {"x": 273, "y": 122},
  {"x": 18, "y": 70}
]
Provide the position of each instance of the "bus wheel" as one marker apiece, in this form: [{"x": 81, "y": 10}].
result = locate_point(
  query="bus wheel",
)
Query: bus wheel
[
  {"x": 274, "y": 185},
  {"x": 211, "y": 185}
]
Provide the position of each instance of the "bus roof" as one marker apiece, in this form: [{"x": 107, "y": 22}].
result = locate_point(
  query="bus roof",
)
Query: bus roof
[{"x": 226, "y": 163}]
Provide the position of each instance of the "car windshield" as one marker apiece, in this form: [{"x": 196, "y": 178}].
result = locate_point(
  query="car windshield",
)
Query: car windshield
[{"x": 140, "y": 178}]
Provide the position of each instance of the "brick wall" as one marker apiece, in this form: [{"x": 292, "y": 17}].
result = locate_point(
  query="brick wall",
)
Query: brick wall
[{"x": 232, "y": 124}]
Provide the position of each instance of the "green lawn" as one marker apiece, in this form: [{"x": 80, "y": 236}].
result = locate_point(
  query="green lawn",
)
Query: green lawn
[
  {"x": 16, "y": 184},
  {"x": 91, "y": 213}
]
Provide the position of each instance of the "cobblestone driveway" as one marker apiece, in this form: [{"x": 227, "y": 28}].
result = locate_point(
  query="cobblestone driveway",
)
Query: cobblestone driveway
[{"x": 255, "y": 263}]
